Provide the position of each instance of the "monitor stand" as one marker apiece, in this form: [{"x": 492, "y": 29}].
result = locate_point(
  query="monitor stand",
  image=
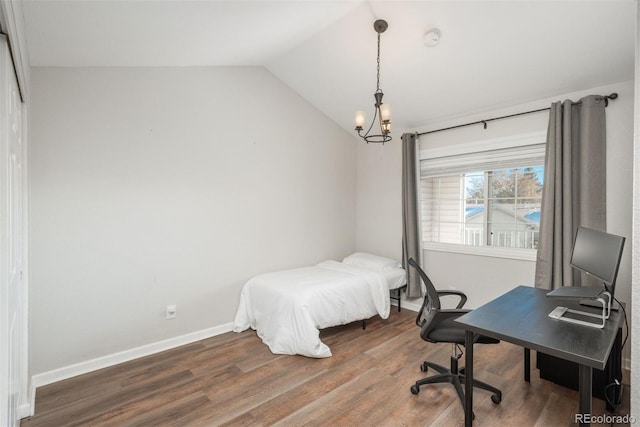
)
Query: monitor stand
[
  {"x": 594, "y": 320},
  {"x": 596, "y": 304},
  {"x": 588, "y": 295},
  {"x": 583, "y": 292}
]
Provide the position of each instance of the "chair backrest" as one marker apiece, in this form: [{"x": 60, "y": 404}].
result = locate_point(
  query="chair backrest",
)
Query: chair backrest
[{"x": 431, "y": 303}]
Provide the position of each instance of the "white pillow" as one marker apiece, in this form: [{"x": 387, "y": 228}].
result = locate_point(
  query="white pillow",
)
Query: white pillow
[{"x": 372, "y": 262}]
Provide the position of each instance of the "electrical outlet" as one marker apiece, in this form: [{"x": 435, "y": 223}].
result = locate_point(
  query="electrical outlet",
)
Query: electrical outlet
[{"x": 171, "y": 311}]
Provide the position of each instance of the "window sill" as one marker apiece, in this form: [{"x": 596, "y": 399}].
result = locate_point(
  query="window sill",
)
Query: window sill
[{"x": 488, "y": 251}]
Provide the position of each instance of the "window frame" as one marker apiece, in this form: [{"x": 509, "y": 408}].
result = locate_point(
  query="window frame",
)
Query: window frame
[{"x": 470, "y": 149}]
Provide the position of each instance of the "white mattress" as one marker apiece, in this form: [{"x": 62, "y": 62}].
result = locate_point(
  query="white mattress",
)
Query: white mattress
[{"x": 395, "y": 278}]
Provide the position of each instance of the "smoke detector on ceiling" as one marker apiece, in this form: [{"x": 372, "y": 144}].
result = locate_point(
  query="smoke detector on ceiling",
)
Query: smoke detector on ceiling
[{"x": 432, "y": 37}]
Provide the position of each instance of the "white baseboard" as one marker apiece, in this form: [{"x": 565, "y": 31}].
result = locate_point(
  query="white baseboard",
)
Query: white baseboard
[
  {"x": 124, "y": 356},
  {"x": 25, "y": 410},
  {"x": 411, "y": 306}
]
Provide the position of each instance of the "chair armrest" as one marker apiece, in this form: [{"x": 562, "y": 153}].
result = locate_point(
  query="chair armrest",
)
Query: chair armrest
[{"x": 463, "y": 297}]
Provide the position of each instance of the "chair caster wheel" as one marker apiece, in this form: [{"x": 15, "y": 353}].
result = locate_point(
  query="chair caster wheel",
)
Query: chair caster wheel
[
  {"x": 415, "y": 389},
  {"x": 496, "y": 398},
  {"x": 424, "y": 367}
]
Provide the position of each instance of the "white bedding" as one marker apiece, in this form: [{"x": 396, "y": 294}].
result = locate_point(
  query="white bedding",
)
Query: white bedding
[
  {"x": 395, "y": 277},
  {"x": 287, "y": 308}
]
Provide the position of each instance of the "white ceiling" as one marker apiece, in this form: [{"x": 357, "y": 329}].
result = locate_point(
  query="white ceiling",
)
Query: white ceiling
[{"x": 491, "y": 54}]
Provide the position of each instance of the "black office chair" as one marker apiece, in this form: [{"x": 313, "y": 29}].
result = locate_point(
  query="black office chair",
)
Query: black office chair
[{"x": 437, "y": 325}]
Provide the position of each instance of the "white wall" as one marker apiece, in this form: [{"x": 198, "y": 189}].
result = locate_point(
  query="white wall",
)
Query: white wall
[
  {"x": 483, "y": 278},
  {"x": 480, "y": 278},
  {"x": 156, "y": 186},
  {"x": 379, "y": 219}
]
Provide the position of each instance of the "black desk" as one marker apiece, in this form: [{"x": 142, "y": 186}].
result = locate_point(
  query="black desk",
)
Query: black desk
[{"x": 521, "y": 317}]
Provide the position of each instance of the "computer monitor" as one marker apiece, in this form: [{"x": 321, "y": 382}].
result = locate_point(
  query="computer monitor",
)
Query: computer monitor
[{"x": 598, "y": 254}]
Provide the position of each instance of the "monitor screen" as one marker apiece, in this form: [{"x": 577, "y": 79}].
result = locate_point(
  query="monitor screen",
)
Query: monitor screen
[{"x": 598, "y": 254}]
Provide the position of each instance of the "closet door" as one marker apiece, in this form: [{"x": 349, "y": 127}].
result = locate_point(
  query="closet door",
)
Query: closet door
[{"x": 13, "y": 303}]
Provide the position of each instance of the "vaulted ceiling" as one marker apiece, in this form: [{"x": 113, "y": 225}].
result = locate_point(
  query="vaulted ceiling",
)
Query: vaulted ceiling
[{"x": 491, "y": 53}]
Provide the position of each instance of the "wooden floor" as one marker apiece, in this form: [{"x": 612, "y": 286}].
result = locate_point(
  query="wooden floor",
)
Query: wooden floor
[{"x": 234, "y": 380}]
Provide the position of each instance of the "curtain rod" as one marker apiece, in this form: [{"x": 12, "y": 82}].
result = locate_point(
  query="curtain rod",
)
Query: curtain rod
[
  {"x": 484, "y": 122},
  {"x": 13, "y": 63}
]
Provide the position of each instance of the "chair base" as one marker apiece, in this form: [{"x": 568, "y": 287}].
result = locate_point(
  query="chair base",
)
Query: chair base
[{"x": 455, "y": 377}]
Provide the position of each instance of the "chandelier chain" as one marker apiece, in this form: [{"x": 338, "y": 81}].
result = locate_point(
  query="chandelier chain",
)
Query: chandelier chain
[{"x": 378, "y": 67}]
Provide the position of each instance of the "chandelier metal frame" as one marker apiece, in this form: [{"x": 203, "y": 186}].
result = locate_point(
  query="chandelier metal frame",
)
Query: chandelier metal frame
[{"x": 382, "y": 111}]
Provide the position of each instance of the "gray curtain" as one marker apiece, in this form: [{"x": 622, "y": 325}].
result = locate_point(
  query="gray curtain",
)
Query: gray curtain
[
  {"x": 574, "y": 189},
  {"x": 410, "y": 225}
]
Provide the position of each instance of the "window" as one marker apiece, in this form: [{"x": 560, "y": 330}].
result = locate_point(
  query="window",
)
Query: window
[{"x": 481, "y": 199}]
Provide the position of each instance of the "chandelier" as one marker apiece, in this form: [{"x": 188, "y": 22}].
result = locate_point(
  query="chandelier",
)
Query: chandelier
[{"x": 382, "y": 111}]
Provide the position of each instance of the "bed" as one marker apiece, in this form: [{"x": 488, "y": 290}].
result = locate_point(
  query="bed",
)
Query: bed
[{"x": 288, "y": 308}]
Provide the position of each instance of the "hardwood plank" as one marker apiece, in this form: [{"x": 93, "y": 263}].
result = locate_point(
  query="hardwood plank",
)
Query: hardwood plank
[
  {"x": 406, "y": 409},
  {"x": 176, "y": 413},
  {"x": 256, "y": 387},
  {"x": 308, "y": 392},
  {"x": 343, "y": 401},
  {"x": 103, "y": 380},
  {"x": 126, "y": 410},
  {"x": 229, "y": 353},
  {"x": 79, "y": 412}
]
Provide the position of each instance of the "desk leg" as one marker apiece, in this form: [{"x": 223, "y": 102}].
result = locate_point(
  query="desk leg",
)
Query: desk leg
[
  {"x": 468, "y": 381},
  {"x": 584, "y": 385},
  {"x": 527, "y": 364}
]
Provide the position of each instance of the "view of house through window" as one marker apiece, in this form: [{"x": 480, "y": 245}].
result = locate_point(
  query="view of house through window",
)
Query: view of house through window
[{"x": 484, "y": 208}]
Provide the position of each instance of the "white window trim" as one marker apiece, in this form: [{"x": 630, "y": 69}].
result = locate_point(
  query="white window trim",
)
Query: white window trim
[
  {"x": 477, "y": 147},
  {"x": 488, "y": 251},
  {"x": 521, "y": 140}
]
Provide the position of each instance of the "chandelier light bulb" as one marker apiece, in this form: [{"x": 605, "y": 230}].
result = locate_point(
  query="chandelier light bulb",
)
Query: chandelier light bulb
[
  {"x": 385, "y": 112},
  {"x": 360, "y": 118}
]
